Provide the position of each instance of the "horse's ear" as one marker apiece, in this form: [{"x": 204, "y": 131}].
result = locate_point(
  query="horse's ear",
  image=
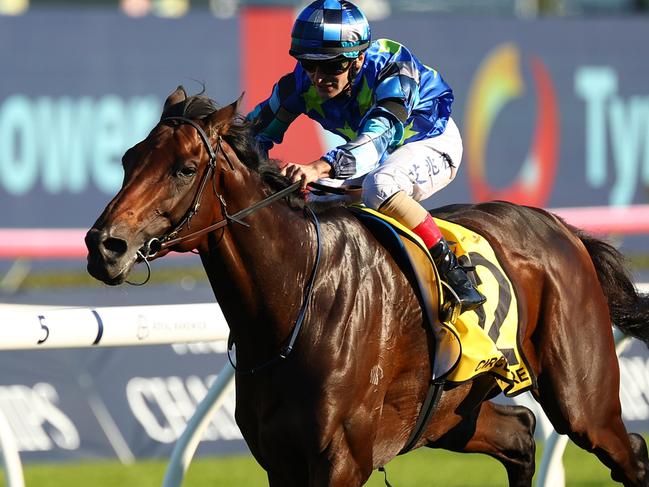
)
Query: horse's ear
[
  {"x": 221, "y": 120},
  {"x": 176, "y": 97}
]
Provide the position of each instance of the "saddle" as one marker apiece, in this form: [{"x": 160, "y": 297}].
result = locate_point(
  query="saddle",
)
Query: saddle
[
  {"x": 484, "y": 340},
  {"x": 410, "y": 253}
]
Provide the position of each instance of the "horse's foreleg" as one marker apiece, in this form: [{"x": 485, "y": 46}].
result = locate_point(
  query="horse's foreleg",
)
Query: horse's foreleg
[
  {"x": 337, "y": 470},
  {"x": 337, "y": 466},
  {"x": 340, "y": 474},
  {"x": 340, "y": 471},
  {"x": 323, "y": 472},
  {"x": 505, "y": 433}
]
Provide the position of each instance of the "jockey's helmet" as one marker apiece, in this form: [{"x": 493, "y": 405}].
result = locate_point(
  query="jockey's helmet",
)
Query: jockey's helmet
[{"x": 327, "y": 29}]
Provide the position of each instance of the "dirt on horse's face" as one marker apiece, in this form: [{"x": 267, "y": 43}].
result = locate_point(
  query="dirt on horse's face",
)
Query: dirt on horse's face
[{"x": 161, "y": 177}]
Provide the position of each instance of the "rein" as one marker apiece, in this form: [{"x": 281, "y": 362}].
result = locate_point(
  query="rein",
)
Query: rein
[
  {"x": 288, "y": 348},
  {"x": 156, "y": 244}
]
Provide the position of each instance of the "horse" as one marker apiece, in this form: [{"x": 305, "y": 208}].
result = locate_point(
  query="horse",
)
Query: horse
[{"x": 333, "y": 360}]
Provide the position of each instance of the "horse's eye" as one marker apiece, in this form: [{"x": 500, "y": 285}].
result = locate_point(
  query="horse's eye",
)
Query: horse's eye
[{"x": 186, "y": 172}]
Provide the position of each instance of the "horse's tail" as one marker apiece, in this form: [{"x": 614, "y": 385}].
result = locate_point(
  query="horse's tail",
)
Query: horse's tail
[{"x": 629, "y": 310}]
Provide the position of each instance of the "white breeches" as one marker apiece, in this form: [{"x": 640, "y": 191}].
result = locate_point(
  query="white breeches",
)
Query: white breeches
[{"x": 418, "y": 168}]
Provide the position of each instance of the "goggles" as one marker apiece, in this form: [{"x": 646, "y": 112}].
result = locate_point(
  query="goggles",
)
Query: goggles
[{"x": 335, "y": 67}]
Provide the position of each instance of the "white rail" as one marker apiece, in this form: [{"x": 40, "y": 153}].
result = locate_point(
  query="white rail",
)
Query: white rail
[
  {"x": 9, "y": 455},
  {"x": 112, "y": 326},
  {"x": 119, "y": 326},
  {"x": 186, "y": 445}
]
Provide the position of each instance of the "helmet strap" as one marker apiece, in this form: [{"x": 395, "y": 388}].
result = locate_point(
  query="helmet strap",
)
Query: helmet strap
[{"x": 351, "y": 75}]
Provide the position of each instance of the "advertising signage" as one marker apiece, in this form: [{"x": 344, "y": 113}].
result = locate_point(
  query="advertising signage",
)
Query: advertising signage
[
  {"x": 68, "y": 405},
  {"x": 554, "y": 113}
]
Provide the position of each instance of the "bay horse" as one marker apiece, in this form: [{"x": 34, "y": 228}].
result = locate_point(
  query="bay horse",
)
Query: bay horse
[{"x": 333, "y": 360}]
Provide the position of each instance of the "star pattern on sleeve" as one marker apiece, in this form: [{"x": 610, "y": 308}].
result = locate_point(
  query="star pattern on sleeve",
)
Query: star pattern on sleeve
[
  {"x": 386, "y": 45},
  {"x": 313, "y": 101},
  {"x": 364, "y": 97},
  {"x": 348, "y": 132},
  {"x": 408, "y": 131}
]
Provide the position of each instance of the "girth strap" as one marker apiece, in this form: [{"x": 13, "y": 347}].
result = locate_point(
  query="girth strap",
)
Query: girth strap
[{"x": 425, "y": 413}]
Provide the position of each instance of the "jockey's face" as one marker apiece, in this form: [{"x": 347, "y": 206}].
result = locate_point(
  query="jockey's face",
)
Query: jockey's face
[{"x": 331, "y": 78}]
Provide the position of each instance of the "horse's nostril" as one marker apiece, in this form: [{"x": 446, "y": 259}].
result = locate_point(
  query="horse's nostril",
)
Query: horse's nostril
[
  {"x": 115, "y": 245},
  {"x": 93, "y": 237}
]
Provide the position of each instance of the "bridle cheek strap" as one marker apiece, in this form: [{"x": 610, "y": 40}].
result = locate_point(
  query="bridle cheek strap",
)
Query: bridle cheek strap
[
  {"x": 155, "y": 245},
  {"x": 170, "y": 239}
]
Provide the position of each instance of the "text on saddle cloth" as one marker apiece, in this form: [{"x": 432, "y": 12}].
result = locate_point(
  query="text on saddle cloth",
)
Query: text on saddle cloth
[{"x": 481, "y": 341}]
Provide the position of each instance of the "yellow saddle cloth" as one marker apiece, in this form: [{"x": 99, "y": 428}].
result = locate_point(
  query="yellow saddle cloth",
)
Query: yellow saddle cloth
[
  {"x": 489, "y": 335},
  {"x": 484, "y": 340}
]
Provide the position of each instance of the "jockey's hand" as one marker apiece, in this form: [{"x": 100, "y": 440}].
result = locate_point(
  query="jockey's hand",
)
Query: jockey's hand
[{"x": 307, "y": 173}]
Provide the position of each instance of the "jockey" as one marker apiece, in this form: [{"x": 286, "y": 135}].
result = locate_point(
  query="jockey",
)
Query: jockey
[{"x": 393, "y": 111}]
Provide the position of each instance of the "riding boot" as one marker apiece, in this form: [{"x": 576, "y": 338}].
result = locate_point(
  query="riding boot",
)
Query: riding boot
[
  {"x": 455, "y": 275},
  {"x": 411, "y": 214}
]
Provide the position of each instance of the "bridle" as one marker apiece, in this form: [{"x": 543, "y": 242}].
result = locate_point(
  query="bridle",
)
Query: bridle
[{"x": 171, "y": 238}]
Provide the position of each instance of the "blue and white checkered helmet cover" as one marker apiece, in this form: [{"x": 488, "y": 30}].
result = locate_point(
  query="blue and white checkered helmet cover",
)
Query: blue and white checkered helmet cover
[{"x": 327, "y": 29}]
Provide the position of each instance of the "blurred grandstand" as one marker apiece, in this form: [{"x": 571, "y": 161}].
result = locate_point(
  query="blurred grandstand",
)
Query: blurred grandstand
[{"x": 375, "y": 9}]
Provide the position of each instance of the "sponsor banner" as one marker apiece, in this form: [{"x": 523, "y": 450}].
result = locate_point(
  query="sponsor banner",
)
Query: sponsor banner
[
  {"x": 68, "y": 405},
  {"x": 78, "y": 87},
  {"x": 634, "y": 386},
  {"x": 546, "y": 121},
  {"x": 114, "y": 402}
]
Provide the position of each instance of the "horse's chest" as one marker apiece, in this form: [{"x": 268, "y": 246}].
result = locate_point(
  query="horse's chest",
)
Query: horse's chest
[{"x": 271, "y": 418}]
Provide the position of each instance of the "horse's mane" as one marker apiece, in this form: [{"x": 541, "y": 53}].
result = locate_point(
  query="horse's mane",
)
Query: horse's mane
[{"x": 241, "y": 137}]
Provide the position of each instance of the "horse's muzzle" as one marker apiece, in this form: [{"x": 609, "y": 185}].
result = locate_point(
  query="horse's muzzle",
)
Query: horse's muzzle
[{"x": 109, "y": 258}]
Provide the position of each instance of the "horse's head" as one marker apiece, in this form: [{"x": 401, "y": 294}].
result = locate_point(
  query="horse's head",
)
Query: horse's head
[{"x": 167, "y": 177}]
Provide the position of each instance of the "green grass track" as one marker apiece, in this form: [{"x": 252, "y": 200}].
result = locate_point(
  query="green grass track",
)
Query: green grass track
[{"x": 421, "y": 468}]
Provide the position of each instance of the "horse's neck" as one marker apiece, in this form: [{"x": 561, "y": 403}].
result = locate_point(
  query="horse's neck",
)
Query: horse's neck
[{"x": 258, "y": 273}]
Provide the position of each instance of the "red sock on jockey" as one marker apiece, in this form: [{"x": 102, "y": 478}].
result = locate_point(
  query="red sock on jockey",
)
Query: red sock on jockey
[{"x": 428, "y": 231}]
